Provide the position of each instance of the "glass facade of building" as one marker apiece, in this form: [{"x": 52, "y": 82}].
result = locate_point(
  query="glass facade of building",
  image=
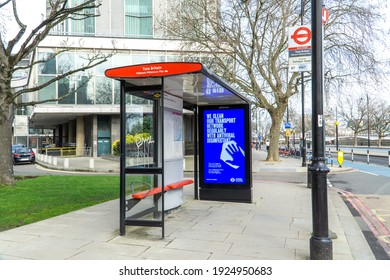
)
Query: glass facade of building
[{"x": 90, "y": 86}]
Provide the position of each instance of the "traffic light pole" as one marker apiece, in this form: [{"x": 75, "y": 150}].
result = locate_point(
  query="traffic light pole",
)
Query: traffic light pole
[{"x": 320, "y": 243}]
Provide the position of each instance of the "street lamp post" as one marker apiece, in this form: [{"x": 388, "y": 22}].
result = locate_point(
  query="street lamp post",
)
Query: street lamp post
[
  {"x": 337, "y": 135},
  {"x": 320, "y": 243},
  {"x": 337, "y": 131}
]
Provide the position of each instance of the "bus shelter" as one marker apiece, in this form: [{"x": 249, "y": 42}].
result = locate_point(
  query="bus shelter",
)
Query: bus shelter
[{"x": 152, "y": 99}]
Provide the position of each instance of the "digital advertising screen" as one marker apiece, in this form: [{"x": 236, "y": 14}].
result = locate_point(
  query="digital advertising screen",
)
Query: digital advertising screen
[{"x": 224, "y": 150}]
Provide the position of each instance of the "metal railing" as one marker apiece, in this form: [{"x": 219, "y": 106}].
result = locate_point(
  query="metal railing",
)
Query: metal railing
[{"x": 66, "y": 151}]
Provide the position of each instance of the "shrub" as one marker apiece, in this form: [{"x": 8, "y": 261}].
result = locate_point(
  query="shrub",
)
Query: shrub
[
  {"x": 115, "y": 147},
  {"x": 130, "y": 139}
]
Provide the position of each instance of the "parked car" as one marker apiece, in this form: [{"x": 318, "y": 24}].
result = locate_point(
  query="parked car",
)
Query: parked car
[{"x": 23, "y": 155}]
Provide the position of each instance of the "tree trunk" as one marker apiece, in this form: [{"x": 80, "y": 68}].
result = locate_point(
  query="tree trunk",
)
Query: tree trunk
[
  {"x": 355, "y": 139},
  {"x": 6, "y": 163},
  {"x": 277, "y": 117}
]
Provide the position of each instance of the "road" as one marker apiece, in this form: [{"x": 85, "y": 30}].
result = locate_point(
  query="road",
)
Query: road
[
  {"x": 366, "y": 191},
  {"x": 367, "y": 194}
]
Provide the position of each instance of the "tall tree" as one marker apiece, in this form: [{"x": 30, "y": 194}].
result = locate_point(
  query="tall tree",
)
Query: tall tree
[
  {"x": 354, "y": 114},
  {"x": 295, "y": 119},
  {"x": 261, "y": 124},
  {"x": 248, "y": 42},
  {"x": 380, "y": 121},
  {"x": 20, "y": 46}
]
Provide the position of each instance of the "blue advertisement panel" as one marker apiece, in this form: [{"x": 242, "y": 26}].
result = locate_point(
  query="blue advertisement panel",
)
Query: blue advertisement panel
[{"x": 224, "y": 146}]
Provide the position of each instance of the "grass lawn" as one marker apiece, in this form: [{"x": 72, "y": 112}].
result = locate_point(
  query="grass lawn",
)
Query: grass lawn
[{"x": 35, "y": 199}]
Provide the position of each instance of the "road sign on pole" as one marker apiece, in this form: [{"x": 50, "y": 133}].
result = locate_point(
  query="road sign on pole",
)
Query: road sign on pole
[
  {"x": 299, "y": 37},
  {"x": 325, "y": 15},
  {"x": 299, "y": 48}
]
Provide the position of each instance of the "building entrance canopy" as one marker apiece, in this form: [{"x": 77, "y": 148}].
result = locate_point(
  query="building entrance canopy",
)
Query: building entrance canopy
[
  {"x": 191, "y": 82},
  {"x": 221, "y": 139}
]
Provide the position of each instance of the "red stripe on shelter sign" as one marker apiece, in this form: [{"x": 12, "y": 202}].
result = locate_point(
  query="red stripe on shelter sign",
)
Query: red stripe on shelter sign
[{"x": 154, "y": 70}]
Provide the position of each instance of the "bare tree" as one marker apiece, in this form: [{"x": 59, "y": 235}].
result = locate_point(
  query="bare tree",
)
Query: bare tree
[
  {"x": 380, "y": 120},
  {"x": 261, "y": 124},
  {"x": 248, "y": 42},
  {"x": 354, "y": 38},
  {"x": 295, "y": 119},
  {"x": 21, "y": 46},
  {"x": 354, "y": 114}
]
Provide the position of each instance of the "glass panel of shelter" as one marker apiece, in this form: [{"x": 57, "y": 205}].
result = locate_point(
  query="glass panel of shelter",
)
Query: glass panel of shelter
[{"x": 144, "y": 179}]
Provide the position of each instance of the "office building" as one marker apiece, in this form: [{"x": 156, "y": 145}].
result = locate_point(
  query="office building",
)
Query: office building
[{"x": 87, "y": 114}]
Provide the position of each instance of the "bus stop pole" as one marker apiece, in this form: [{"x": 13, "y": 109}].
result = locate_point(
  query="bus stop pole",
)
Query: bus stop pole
[
  {"x": 303, "y": 151},
  {"x": 122, "y": 192},
  {"x": 320, "y": 243}
]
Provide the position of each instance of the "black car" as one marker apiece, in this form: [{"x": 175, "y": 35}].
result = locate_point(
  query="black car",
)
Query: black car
[{"x": 23, "y": 155}]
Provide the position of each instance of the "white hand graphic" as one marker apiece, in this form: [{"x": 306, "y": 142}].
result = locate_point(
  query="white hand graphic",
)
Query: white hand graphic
[{"x": 230, "y": 154}]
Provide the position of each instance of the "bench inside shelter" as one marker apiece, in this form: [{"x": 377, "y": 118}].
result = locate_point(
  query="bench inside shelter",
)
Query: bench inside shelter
[{"x": 154, "y": 193}]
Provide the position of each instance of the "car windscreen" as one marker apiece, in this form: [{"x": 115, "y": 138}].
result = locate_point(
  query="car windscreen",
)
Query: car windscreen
[
  {"x": 15, "y": 147},
  {"x": 20, "y": 151}
]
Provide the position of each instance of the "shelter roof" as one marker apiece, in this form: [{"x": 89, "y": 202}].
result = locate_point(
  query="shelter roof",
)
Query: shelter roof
[{"x": 191, "y": 81}]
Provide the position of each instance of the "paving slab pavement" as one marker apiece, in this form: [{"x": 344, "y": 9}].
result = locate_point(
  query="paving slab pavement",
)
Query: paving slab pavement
[{"x": 276, "y": 226}]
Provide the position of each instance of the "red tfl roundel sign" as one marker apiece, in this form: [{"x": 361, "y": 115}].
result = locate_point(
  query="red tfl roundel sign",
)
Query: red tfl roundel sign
[
  {"x": 299, "y": 48},
  {"x": 302, "y": 35}
]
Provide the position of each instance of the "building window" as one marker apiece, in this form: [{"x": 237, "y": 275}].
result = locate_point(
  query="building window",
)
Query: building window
[
  {"x": 48, "y": 92},
  {"x": 85, "y": 90},
  {"x": 139, "y": 18},
  {"x": 48, "y": 65},
  {"x": 81, "y": 24},
  {"x": 103, "y": 90},
  {"x": 117, "y": 92},
  {"x": 84, "y": 23},
  {"x": 47, "y": 70},
  {"x": 66, "y": 91},
  {"x": 65, "y": 62}
]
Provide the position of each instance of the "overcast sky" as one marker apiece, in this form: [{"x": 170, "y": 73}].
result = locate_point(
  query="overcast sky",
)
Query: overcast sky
[{"x": 31, "y": 13}]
